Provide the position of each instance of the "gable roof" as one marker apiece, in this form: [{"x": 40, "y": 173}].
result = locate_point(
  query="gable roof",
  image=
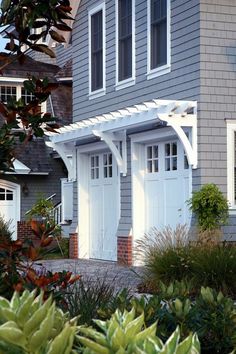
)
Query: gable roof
[{"x": 29, "y": 67}]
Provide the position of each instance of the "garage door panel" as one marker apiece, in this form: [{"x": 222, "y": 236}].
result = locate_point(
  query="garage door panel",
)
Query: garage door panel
[
  {"x": 9, "y": 205},
  {"x": 154, "y": 208},
  {"x": 166, "y": 187},
  {"x": 104, "y": 206}
]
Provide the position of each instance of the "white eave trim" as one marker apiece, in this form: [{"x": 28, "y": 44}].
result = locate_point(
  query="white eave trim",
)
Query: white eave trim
[{"x": 177, "y": 114}]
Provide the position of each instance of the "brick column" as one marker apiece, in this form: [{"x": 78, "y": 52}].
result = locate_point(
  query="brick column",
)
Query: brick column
[
  {"x": 73, "y": 246},
  {"x": 24, "y": 230},
  {"x": 124, "y": 250}
]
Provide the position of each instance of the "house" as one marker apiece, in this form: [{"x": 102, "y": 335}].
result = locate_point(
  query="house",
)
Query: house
[
  {"x": 37, "y": 169},
  {"x": 154, "y": 117}
]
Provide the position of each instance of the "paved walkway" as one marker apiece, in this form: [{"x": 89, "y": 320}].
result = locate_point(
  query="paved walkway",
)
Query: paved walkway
[{"x": 111, "y": 272}]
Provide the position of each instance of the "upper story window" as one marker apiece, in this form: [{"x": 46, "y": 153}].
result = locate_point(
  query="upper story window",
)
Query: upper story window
[
  {"x": 158, "y": 36},
  {"x": 97, "y": 51},
  {"x": 125, "y": 45}
]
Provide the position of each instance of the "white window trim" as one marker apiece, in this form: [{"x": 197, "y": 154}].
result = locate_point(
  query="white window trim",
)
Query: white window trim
[
  {"x": 92, "y": 11},
  {"x": 231, "y": 130},
  {"x": 130, "y": 81},
  {"x": 164, "y": 69}
]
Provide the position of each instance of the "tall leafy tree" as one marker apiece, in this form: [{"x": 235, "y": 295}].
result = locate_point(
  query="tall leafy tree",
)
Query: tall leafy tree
[{"x": 21, "y": 120}]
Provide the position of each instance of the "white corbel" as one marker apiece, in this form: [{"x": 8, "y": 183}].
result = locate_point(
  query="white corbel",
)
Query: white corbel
[
  {"x": 110, "y": 139},
  {"x": 68, "y": 157},
  {"x": 177, "y": 122}
]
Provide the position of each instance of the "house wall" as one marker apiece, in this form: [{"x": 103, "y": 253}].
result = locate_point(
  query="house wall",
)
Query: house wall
[
  {"x": 217, "y": 91},
  {"x": 63, "y": 54},
  {"x": 182, "y": 83}
]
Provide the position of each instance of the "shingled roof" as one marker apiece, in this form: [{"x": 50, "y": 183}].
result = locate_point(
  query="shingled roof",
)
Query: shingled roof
[
  {"x": 30, "y": 67},
  {"x": 35, "y": 155}
]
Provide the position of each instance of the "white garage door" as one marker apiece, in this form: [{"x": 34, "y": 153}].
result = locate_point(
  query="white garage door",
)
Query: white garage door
[
  {"x": 166, "y": 185},
  {"x": 8, "y": 207},
  {"x": 103, "y": 206}
]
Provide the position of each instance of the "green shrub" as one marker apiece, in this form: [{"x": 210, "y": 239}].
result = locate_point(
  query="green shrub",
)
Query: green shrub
[
  {"x": 215, "y": 267},
  {"x": 124, "y": 333},
  {"x": 30, "y": 325},
  {"x": 165, "y": 255},
  {"x": 86, "y": 297},
  {"x": 213, "y": 318},
  {"x": 210, "y": 207},
  {"x": 5, "y": 233}
]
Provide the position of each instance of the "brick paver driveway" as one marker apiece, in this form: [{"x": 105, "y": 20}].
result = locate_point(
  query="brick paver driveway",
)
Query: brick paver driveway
[{"x": 111, "y": 272}]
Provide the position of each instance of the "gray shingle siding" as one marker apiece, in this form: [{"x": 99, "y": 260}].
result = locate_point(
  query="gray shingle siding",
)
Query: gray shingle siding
[
  {"x": 203, "y": 68},
  {"x": 181, "y": 83},
  {"x": 217, "y": 87}
]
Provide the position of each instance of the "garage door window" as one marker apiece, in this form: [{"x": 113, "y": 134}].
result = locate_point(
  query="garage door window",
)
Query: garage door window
[
  {"x": 171, "y": 156},
  {"x": 6, "y": 194},
  {"x": 95, "y": 167},
  {"x": 152, "y": 159},
  {"x": 107, "y": 165}
]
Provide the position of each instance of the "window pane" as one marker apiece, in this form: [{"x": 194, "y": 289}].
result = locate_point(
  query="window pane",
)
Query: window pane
[
  {"x": 167, "y": 149},
  {"x": 2, "y": 190},
  {"x": 174, "y": 163},
  {"x": 149, "y": 152},
  {"x": 105, "y": 159},
  {"x": 110, "y": 171},
  {"x": 167, "y": 164},
  {"x": 105, "y": 172},
  {"x": 10, "y": 196},
  {"x": 149, "y": 166},
  {"x": 97, "y": 51},
  {"x": 2, "y": 196},
  {"x": 155, "y": 165},
  {"x": 155, "y": 148},
  {"x": 110, "y": 159},
  {"x": 158, "y": 33},
  {"x": 174, "y": 149},
  {"x": 97, "y": 173},
  {"x": 125, "y": 39}
]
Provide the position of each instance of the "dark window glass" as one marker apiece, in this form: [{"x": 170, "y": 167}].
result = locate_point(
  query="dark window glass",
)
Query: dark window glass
[
  {"x": 8, "y": 93},
  {"x": 97, "y": 51},
  {"x": 26, "y": 96},
  {"x": 158, "y": 33},
  {"x": 125, "y": 38}
]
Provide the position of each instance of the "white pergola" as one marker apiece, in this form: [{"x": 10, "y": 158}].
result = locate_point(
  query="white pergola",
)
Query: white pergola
[{"x": 112, "y": 128}]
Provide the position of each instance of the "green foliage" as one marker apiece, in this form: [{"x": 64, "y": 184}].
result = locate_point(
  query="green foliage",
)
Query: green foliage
[
  {"x": 5, "y": 233},
  {"x": 213, "y": 317},
  {"x": 210, "y": 207},
  {"x": 30, "y": 325},
  {"x": 124, "y": 333},
  {"x": 202, "y": 264},
  {"x": 26, "y": 15},
  {"x": 87, "y": 297},
  {"x": 215, "y": 267},
  {"x": 41, "y": 209}
]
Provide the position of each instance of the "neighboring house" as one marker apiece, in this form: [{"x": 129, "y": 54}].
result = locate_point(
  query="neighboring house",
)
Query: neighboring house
[
  {"x": 154, "y": 117},
  {"x": 38, "y": 170}
]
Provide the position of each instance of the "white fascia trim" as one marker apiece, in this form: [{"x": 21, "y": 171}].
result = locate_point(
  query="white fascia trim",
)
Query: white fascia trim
[
  {"x": 130, "y": 81},
  {"x": 231, "y": 131},
  {"x": 92, "y": 11},
  {"x": 152, "y": 73},
  {"x": 20, "y": 168},
  {"x": 69, "y": 78},
  {"x": 12, "y": 79}
]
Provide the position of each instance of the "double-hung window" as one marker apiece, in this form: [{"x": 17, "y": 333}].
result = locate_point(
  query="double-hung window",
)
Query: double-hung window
[
  {"x": 125, "y": 45},
  {"x": 158, "y": 34},
  {"x": 97, "y": 51}
]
